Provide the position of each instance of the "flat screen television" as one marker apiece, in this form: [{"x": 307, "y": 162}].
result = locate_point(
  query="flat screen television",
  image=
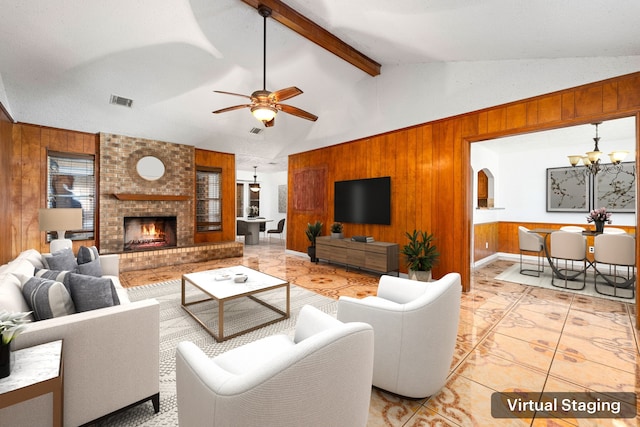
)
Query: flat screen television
[{"x": 363, "y": 201}]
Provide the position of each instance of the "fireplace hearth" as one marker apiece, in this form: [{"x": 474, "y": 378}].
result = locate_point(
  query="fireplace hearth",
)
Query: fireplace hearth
[{"x": 149, "y": 232}]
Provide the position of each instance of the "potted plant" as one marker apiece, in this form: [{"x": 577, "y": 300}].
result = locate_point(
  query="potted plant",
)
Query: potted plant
[
  {"x": 252, "y": 211},
  {"x": 312, "y": 232},
  {"x": 599, "y": 217},
  {"x": 11, "y": 325},
  {"x": 421, "y": 255},
  {"x": 336, "y": 230}
]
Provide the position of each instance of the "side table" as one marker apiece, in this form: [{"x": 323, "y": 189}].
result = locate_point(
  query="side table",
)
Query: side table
[{"x": 36, "y": 371}]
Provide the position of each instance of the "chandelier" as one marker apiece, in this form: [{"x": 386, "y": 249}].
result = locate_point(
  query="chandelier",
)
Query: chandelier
[
  {"x": 254, "y": 186},
  {"x": 592, "y": 158}
]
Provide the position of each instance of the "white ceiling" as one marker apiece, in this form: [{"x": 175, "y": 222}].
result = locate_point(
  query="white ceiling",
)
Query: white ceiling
[{"x": 61, "y": 60}]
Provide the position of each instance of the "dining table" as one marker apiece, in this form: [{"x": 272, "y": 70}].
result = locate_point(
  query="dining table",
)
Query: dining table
[{"x": 253, "y": 226}]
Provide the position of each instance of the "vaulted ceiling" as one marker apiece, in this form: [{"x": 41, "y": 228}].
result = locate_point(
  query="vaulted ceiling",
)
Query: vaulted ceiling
[{"x": 60, "y": 61}]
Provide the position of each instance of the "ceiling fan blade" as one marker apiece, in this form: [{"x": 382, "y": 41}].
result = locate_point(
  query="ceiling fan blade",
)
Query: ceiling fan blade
[
  {"x": 286, "y": 93},
  {"x": 231, "y": 93},
  {"x": 297, "y": 112},
  {"x": 235, "y": 107}
]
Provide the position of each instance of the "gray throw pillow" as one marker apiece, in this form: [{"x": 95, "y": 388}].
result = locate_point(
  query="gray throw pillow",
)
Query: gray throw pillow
[
  {"x": 89, "y": 261},
  {"x": 91, "y": 293},
  {"x": 87, "y": 254},
  {"x": 62, "y": 260},
  {"x": 92, "y": 268},
  {"x": 55, "y": 275},
  {"x": 47, "y": 298}
]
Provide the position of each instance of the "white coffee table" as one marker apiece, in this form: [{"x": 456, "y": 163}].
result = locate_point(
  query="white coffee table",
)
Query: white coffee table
[{"x": 220, "y": 289}]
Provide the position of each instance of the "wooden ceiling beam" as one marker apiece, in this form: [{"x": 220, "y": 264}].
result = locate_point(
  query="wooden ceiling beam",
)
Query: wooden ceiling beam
[{"x": 312, "y": 31}]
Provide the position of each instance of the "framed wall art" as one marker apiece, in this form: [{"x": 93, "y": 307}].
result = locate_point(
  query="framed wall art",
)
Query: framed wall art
[
  {"x": 568, "y": 189},
  {"x": 615, "y": 188},
  {"x": 282, "y": 198}
]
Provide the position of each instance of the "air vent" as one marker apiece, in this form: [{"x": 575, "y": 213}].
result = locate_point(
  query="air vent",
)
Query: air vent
[
  {"x": 119, "y": 100},
  {"x": 256, "y": 131}
]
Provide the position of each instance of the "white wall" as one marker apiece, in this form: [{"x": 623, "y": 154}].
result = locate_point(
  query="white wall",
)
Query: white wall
[
  {"x": 485, "y": 158},
  {"x": 3, "y": 96}
]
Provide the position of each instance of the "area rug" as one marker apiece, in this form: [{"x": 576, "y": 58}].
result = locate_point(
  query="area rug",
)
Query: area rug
[
  {"x": 512, "y": 274},
  {"x": 176, "y": 326}
]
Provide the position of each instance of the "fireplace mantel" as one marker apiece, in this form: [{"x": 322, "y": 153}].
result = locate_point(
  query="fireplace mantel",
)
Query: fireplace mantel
[{"x": 149, "y": 197}]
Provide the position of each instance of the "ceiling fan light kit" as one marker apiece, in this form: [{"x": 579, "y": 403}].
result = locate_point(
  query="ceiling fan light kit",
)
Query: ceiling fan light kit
[
  {"x": 264, "y": 113},
  {"x": 264, "y": 104}
]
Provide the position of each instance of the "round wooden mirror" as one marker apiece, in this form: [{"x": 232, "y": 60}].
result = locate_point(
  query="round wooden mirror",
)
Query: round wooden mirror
[{"x": 150, "y": 168}]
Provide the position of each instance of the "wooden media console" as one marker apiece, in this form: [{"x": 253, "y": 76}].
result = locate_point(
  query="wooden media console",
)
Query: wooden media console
[{"x": 381, "y": 257}]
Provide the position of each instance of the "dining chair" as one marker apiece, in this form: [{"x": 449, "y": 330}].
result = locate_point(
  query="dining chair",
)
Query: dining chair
[
  {"x": 568, "y": 246},
  {"x": 572, "y": 229},
  {"x": 278, "y": 230},
  {"x": 531, "y": 242},
  {"x": 618, "y": 253}
]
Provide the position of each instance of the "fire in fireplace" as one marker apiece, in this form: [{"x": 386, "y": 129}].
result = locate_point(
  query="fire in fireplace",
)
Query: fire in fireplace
[{"x": 146, "y": 233}]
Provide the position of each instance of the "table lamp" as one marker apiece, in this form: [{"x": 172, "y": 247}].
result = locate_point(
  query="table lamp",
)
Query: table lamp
[{"x": 60, "y": 220}]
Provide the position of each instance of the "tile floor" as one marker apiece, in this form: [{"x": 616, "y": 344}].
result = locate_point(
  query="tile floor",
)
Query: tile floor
[{"x": 511, "y": 338}]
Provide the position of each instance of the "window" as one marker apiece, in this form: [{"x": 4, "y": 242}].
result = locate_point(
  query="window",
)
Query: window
[
  {"x": 71, "y": 183},
  {"x": 208, "y": 199}
]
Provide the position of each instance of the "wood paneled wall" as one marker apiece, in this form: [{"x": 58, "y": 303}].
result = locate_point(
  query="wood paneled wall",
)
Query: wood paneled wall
[
  {"x": 424, "y": 179},
  {"x": 6, "y": 207},
  {"x": 227, "y": 162},
  {"x": 29, "y": 179},
  {"x": 485, "y": 240},
  {"x": 429, "y": 165}
]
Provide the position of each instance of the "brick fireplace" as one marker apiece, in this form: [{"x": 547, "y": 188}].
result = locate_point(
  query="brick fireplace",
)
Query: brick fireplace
[
  {"x": 142, "y": 233},
  {"x": 125, "y": 194}
]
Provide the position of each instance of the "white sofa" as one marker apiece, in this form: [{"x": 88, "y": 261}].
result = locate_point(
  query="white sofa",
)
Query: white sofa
[
  {"x": 321, "y": 377},
  {"x": 111, "y": 355},
  {"x": 415, "y": 326}
]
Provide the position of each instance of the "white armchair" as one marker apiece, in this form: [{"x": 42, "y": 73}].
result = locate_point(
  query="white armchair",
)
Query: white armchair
[
  {"x": 320, "y": 378},
  {"x": 415, "y": 325}
]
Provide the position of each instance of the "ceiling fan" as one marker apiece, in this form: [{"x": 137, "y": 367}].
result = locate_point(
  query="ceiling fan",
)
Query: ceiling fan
[{"x": 264, "y": 104}]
